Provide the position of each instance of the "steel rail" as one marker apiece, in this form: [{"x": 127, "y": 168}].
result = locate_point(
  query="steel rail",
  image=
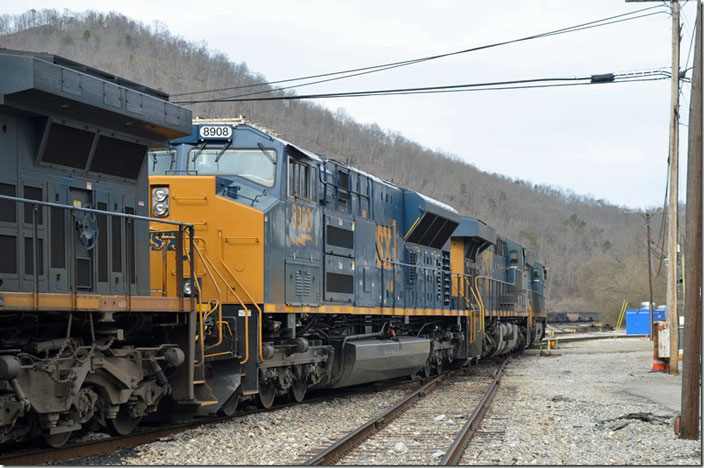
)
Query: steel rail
[
  {"x": 338, "y": 449},
  {"x": 572, "y": 339},
  {"x": 453, "y": 456},
  {"x": 112, "y": 444}
]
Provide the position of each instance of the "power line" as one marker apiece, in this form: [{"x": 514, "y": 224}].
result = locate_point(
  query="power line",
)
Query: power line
[
  {"x": 648, "y": 75},
  {"x": 387, "y": 66}
]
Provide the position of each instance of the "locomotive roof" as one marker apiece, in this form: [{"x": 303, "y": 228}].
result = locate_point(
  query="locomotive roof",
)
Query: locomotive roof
[
  {"x": 241, "y": 120},
  {"x": 73, "y": 65},
  {"x": 50, "y": 85}
]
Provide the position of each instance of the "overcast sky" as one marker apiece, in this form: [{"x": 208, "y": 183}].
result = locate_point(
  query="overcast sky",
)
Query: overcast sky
[{"x": 609, "y": 141}]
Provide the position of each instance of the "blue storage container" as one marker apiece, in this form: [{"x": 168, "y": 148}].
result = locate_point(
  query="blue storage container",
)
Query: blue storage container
[{"x": 637, "y": 320}]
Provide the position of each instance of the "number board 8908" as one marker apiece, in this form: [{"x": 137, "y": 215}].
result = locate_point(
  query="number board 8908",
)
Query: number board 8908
[{"x": 215, "y": 131}]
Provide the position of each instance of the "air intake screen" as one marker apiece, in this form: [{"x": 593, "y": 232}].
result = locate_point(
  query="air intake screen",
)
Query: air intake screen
[
  {"x": 118, "y": 157},
  {"x": 337, "y": 283},
  {"x": 33, "y": 193},
  {"x": 8, "y": 210},
  {"x": 102, "y": 244},
  {"x": 67, "y": 146},
  {"x": 129, "y": 244},
  {"x": 58, "y": 242},
  {"x": 116, "y": 244},
  {"x": 29, "y": 256},
  {"x": 339, "y": 237},
  {"x": 8, "y": 259}
]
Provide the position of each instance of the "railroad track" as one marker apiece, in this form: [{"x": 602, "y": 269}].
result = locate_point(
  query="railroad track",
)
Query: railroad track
[
  {"x": 411, "y": 418},
  {"x": 99, "y": 447}
]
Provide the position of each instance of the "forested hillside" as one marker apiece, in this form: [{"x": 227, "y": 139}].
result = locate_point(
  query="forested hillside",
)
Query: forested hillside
[{"x": 595, "y": 253}]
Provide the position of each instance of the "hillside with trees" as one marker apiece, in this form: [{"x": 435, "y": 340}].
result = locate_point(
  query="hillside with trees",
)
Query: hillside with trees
[{"x": 595, "y": 252}]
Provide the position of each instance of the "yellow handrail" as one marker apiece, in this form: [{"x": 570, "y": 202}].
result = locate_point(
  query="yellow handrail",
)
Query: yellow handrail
[
  {"x": 478, "y": 298},
  {"x": 621, "y": 317},
  {"x": 218, "y": 306},
  {"x": 249, "y": 296},
  {"x": 530, "y": 315}
]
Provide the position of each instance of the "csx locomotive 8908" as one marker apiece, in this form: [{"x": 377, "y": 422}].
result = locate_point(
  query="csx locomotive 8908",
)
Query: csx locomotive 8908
[
  {"x": 243, "y": 268},
  {"x": 314, "y": 274}
]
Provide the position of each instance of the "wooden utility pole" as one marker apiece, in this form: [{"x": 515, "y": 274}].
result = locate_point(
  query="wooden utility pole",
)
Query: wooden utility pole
[
  {"x": 673, "y": 198},
  {"x": 691, "y": 369},
  {"x": 647, "y": 217}
]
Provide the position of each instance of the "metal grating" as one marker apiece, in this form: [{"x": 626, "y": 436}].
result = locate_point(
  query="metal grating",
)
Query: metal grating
[
  {"x": 33, "y": 193},
  {"x": 116, "y": 244},
  {"x": 83, "y": 276},
  {"x": 303, "y": 283},
  {"x": 29, "y": 256},
  {"x": 8, "y": 209},
  {"x": 58, "y": 233},
  {"x": 102, "y": 244},
  {"x": 8, "y": 259},
  {"x": 129, "y": 244}
]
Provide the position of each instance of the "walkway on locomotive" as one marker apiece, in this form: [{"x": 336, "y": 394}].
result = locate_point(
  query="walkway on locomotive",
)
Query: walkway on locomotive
[{"x": 351, "y": 242}]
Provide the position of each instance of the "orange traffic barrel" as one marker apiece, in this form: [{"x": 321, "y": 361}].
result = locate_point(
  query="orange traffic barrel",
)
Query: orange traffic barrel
[{"x": 658, "y": 364}]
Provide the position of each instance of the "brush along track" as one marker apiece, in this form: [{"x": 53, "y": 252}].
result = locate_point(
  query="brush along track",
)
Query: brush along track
[
  {"x": 416, "y": 430},
  {"x": 91, "y": 448}
]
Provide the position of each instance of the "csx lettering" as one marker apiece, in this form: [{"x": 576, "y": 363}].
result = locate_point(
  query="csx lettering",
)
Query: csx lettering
[
  {"x": 156, "y": 242},
  {"x": 384, "y": 240}
]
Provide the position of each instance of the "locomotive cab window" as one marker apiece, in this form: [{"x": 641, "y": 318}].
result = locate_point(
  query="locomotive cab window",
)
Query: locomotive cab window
[
  {"x": 343, "y": 185},
  {"x": 257, "y": 165},
  {"x": 301, "y": 183},
  {"x": 162, "y": 161}
]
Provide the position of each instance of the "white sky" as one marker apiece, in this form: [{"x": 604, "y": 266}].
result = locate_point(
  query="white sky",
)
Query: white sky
[{"x": 609, "y": 141}]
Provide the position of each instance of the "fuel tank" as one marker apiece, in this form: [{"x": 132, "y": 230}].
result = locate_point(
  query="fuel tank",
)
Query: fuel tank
[{"x": 369, "y": 360}]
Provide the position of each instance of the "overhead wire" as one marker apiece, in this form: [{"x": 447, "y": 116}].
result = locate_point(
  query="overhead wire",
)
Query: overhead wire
[
  {"x": 387, "y": 66},
  {"x": 467, "y": 87}
]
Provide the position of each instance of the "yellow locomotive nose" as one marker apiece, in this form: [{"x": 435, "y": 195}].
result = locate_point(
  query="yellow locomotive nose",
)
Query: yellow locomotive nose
[{"x": 228, "y": 242}]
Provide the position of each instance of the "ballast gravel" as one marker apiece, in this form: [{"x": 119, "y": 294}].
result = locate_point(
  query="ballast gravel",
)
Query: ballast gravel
[
  {"x": 579, "y": 407},
  {"x": 584, "y": 405},
  {"x": 278, "y": 437}
]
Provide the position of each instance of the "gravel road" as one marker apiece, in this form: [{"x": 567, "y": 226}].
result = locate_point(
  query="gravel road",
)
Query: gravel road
[{"x": 565, "y": 410}]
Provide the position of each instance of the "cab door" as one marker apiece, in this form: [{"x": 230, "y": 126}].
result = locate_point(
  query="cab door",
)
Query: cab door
[{"x": 303, "y": 234}]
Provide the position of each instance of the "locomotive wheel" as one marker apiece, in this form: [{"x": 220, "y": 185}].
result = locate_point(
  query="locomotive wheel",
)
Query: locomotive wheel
[
  {"x": 230, "y": 406},
  {"x": 298, "y": 390},
  {"x": 427, "y": 371},
  {"x": 123, "y": 423},
  {"x": 267, "y": 394},
  {"x": 57, "y": 440}
]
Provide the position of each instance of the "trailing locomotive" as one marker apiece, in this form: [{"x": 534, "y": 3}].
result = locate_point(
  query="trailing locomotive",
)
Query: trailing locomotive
[
  {"x": 83, "y": 344},
  {"x": 315, "y": 274}
]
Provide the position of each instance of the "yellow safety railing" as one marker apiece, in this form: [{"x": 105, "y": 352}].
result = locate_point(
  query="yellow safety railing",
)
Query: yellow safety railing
[
  {"x": 249, "y": 296},
  {"x": 621, "y": 317}
]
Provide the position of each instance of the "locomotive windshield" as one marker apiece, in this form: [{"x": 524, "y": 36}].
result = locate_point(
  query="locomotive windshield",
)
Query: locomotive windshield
[
  {"x": 161, "y": 161},
  {"x": 257, "y": 165}
]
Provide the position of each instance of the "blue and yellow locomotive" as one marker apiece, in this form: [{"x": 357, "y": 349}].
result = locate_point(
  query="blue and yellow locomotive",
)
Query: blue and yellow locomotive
[
  {"x": 311, "y": 273},
  {"x": 224, "y": 264}
]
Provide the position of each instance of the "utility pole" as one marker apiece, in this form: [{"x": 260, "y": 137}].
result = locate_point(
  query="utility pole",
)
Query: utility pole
[
  {"x": 673, "y": 198},
  {"x": 647, "y": 217},
  {"x": 691, "y": 369}
]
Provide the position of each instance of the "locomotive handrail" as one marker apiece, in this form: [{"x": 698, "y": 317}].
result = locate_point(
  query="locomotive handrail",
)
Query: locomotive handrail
[
  {"x": 129, "y": 260},
  {"x": 200, "y": 312},
  {"x": 249, "y": 296},
  {"x": 220, "y": 321},
  {"x": 93, "y": 210}
]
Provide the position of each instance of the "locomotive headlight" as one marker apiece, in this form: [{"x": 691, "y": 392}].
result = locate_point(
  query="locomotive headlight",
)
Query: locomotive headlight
[
  {"x": 160, "y": 201},
  {"x": 159, "y": 194},
  {"x": 160, "y": 209},
  {"x": 187, "y": 288}
]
